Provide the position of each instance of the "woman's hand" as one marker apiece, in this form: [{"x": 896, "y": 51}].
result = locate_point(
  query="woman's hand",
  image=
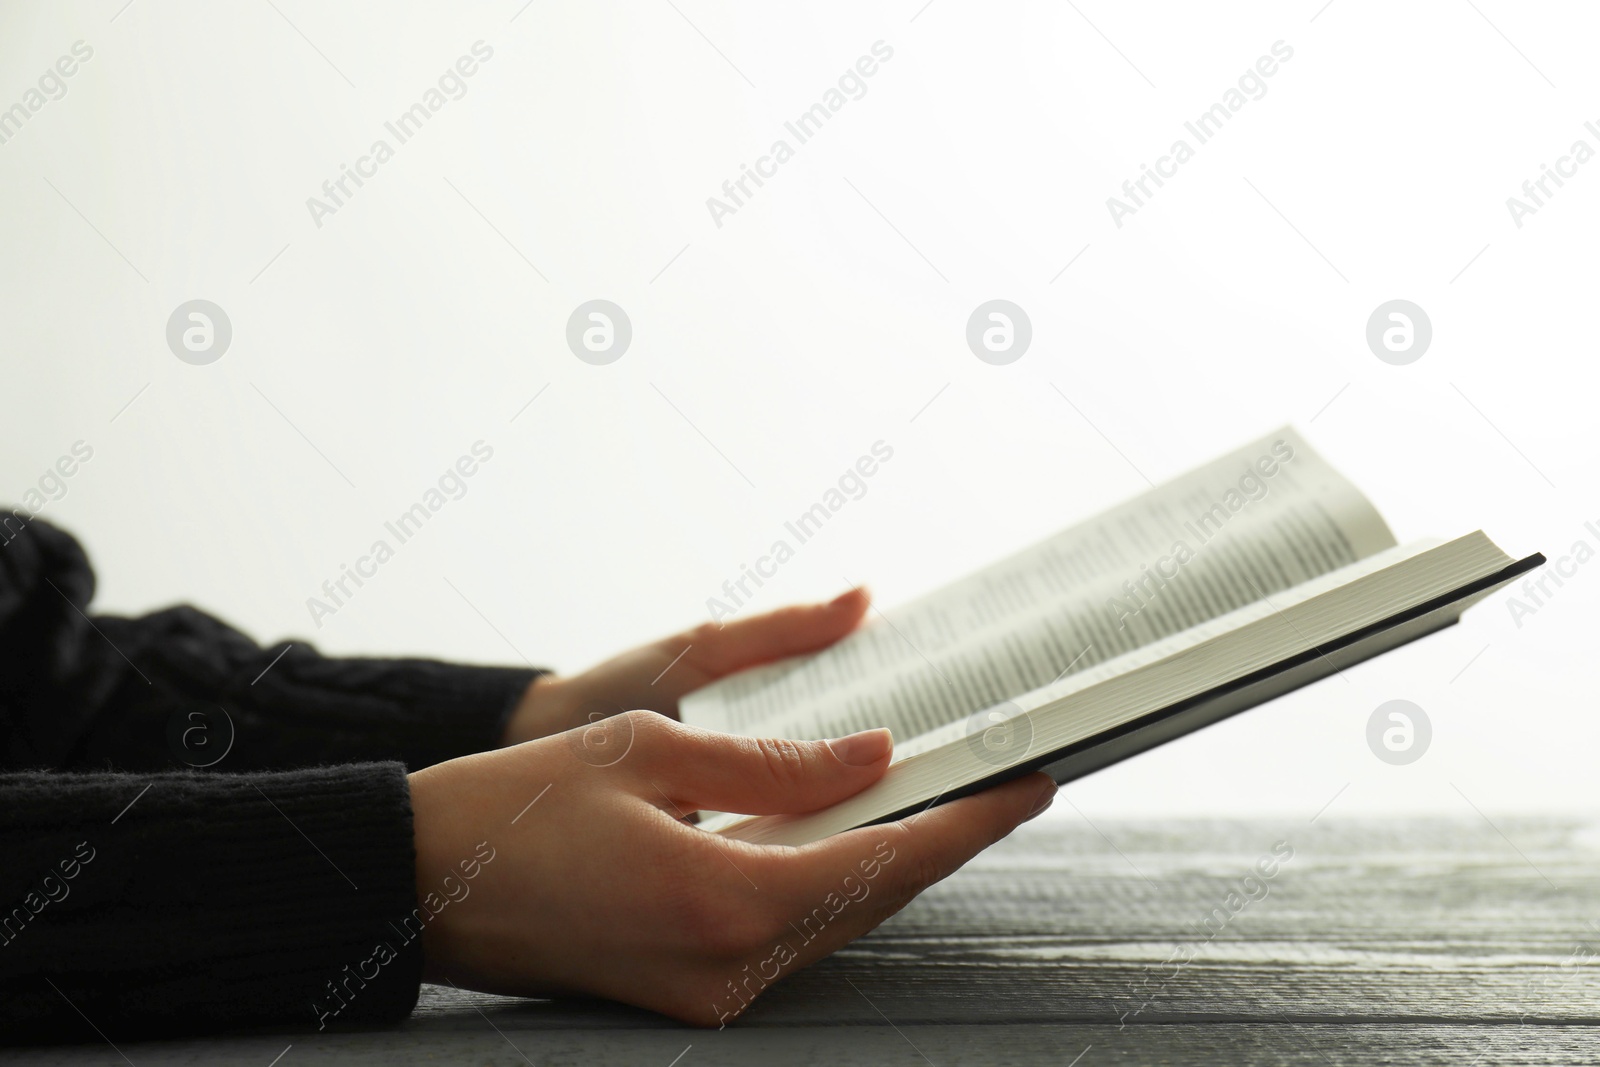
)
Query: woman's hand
[
  {"x": 546, "y": 873},
  {"x": 655, "y": 676}
]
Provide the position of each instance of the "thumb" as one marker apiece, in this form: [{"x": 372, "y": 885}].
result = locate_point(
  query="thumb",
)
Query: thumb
[
  {"x": 790, "y": 631},
  {"x": 759, "y": 776}
]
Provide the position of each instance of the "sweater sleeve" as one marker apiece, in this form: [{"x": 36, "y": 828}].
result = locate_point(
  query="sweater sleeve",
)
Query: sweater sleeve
[
  {"x": 179, "y": 688},
  {"x": 146, "y": 905},
  {"x": 200, "y": 833}
]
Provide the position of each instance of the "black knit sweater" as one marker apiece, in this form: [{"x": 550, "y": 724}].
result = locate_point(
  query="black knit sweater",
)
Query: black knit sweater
[{"x": 197, "y": 832}]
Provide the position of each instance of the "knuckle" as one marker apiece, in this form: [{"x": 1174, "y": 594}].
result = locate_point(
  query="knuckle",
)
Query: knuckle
[
  {"x": 933, "y": 869},
  {"x": 703, "y": 634},
  {"x": 608, "y": 739},
  {"x": 640, "y": 720},
  {"x": 785, "y": 760},
  {"x": 926, "y": 869},
  {"x": 644, "y": 727},
  {"x": 920, "y": 863}
]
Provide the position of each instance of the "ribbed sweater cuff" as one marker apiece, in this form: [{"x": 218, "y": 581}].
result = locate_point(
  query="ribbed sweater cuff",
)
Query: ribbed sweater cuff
[{"x": 211, "y": 900}]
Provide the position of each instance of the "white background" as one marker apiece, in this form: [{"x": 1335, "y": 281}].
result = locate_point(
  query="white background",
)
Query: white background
[{"x": 372, "y": 351}]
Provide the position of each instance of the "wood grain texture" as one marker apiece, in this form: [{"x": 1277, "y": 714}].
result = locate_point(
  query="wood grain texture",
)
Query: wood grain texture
[{"x": 1376, "y": 942}]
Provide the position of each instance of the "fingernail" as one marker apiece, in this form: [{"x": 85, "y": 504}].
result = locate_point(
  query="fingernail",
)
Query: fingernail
[
  {"x": 845, "y": 596},
  {"x": 862, "y": 749},
  {"x": 1047, "y": 796}
]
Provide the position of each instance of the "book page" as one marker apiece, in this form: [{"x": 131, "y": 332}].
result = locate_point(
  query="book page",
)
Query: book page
[{"x": 1255, "y": 522}]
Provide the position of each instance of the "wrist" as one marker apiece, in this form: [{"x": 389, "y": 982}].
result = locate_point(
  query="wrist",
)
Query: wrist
[
  {"x": 424, "y": 834},
  {"x": 537, "y": 713},
  {"x": 451, "y": 853}
]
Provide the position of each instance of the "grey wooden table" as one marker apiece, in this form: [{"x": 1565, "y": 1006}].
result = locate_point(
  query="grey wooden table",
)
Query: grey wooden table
[{"x": 1458, "y": 942}]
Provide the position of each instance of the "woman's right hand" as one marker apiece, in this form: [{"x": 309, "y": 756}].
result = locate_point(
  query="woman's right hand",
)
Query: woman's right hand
[{"x": 566, "y": 866}]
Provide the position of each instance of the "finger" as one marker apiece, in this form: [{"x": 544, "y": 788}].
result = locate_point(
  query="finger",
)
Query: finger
[
  {"x": 907, "y": 856},
  {"x": 790, "y": 631},
  {"x": 697, "y": 768},
  {"x": 840, "y": 889}
]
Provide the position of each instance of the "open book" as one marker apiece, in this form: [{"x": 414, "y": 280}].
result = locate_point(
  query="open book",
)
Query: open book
[{"x": 1239, "y": 581}]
